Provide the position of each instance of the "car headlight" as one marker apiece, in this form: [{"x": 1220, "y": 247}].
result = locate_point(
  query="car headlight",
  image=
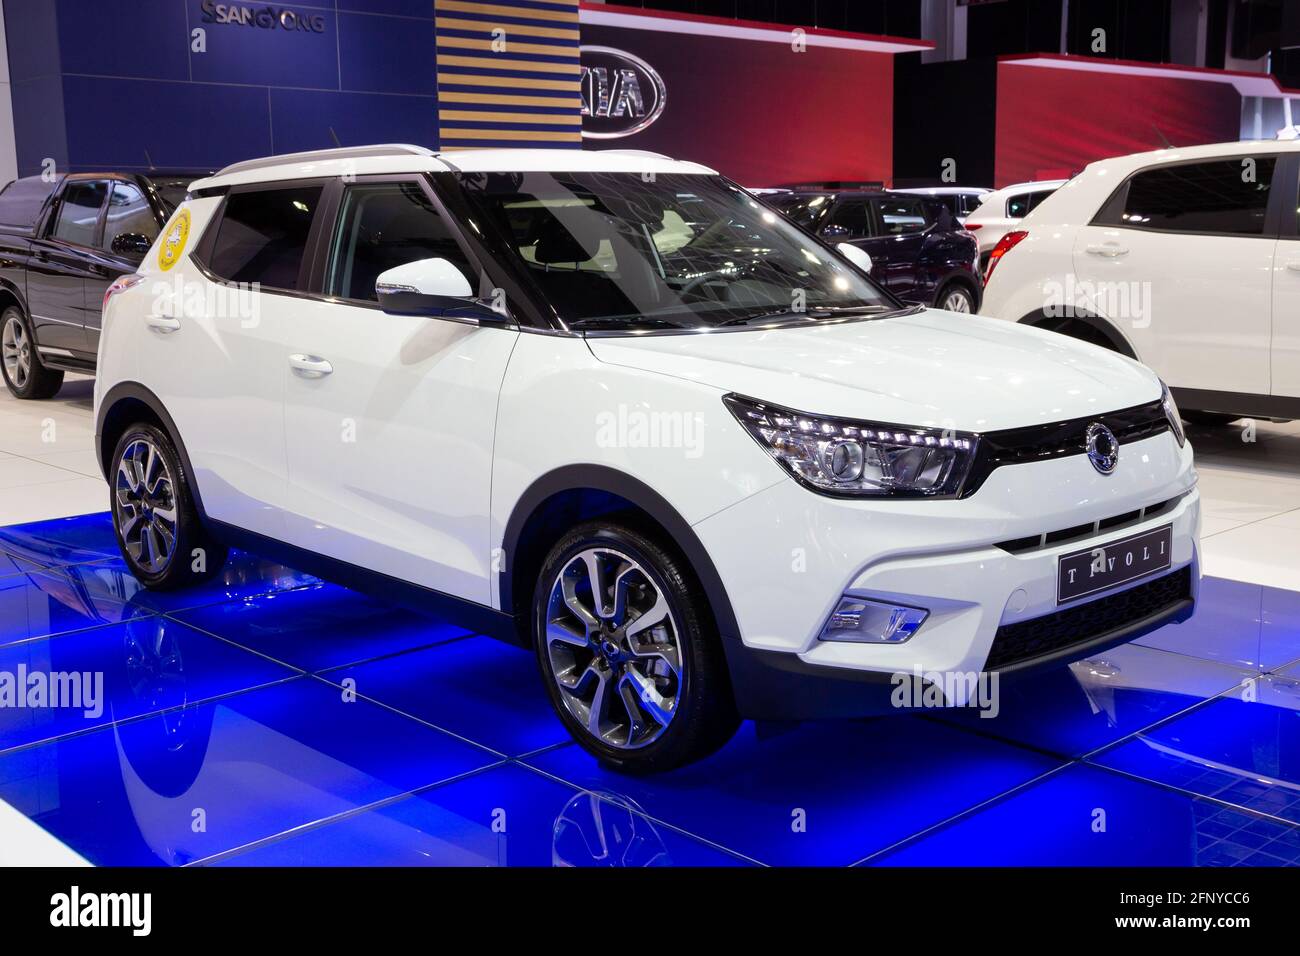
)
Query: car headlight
[
  {"x": 844, "y": 458},
  {"x": 1171, "y": 413}
]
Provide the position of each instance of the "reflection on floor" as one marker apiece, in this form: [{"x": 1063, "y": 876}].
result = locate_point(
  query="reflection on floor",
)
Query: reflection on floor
[{"x": 271, "y": 718}]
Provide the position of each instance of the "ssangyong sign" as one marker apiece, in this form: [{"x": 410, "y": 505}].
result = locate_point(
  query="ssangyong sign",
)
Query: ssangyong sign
[
  {"x": 264, "y": 17},
  {"x": 621, "y": 93}
]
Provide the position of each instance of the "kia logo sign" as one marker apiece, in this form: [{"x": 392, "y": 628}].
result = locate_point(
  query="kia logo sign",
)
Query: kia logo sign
[{"x": 621, "y": 93}]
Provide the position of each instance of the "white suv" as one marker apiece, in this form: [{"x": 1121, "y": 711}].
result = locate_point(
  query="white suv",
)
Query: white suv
[
  {"x": 1001, "y": 211},
  {"x": 1185, "y": 259},
  {"x": 612, "y": 407}
]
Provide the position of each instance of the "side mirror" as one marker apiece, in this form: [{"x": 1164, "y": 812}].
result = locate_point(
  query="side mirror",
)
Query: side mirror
[
  {"x": 130, "y": 244},
  {"x": 435, "y": 288},
  {"x": 855, "y": 255}
]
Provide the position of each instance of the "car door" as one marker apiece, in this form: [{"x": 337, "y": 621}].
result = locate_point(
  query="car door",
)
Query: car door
[
  {"x": 902, "y": 223},
  {"x": 130, "y": 226},
  {"x": 850, "y": 220},
  {"x": 389, "y": 419},
  {"x": 1180, "y": 260},
  {"x": 215, "y": 350},
  {"x": 1285, "y": 350},
  {"x": 57, "y": 272}
]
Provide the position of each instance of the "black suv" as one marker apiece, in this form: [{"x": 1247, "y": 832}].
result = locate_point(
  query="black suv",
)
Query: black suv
[
  {"x": 919, "y": 251},
  {"x": 63, "y": 240}
]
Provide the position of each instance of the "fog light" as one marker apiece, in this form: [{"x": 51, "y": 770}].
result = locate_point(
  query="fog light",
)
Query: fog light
[{"x": 870, "y": 622}]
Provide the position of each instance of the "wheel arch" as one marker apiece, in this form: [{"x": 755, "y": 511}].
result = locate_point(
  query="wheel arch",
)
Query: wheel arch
[
  {"x": 559, "y": 499},
  {"x": 126, "y": 404},
  {"x": 1101, "y": 327},
  {"x": 966, "y": 281},
  {"x": 9, "y": 295}
]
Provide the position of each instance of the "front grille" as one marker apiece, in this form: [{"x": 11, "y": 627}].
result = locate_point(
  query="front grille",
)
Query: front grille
[
  {"x": 1079, "y": 532},
  {"x": 1015, "y": 446},
  {"x": 1024, "y": 641}
]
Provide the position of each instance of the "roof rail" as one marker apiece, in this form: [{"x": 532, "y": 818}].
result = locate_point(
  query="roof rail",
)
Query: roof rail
[{"x": 320, "y": 155}]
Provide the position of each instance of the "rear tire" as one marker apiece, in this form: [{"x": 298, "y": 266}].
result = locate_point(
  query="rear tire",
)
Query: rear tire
[
  {"x": 158, "y": 528},
  {"x": 642, "y": 699},
  {"x": 955, "y": 297},
  {"x": 23, "y": 372}
]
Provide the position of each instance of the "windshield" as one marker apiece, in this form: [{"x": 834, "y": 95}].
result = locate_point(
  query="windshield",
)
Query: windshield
[{"x": 616, "y": 252}]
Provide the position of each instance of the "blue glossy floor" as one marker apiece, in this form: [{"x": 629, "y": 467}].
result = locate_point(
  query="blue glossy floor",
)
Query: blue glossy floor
[{"x": 275, "y": 719}]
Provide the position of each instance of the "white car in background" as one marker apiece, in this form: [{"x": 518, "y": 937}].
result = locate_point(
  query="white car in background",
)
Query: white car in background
[
  {"x": 567, "y": 398},
  {"x": 1186, "y": 259},
  {"x": 1003, "y": 209},
  {"x": 960, "y": 200}
]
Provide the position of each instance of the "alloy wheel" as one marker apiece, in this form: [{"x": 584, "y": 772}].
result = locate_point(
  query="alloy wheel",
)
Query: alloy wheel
[
  {"x": 956, "y": 302},
  {"x": 614, "y": 649},
  {"x": 145, "y": 496},
  {"x": 17, "y": 351}
]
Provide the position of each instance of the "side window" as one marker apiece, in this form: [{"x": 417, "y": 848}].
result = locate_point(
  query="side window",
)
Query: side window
[
  {"x": 1221, "y": 196},
  {"x": 1035, "y": 199},
  {"x": 78, "y": 214},
  {"x": 1018, "y": 206},
  {"x": 901, "y": 215},
  {"x": 263, "y": 236},
  {"x": 853, "y": 216},
  {"x": 129, "y": 213},
  {"x": 385, "y": 225}
]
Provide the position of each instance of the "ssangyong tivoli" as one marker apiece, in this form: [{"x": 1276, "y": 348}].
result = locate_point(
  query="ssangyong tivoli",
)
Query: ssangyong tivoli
[{"x": 614, "y": 408}]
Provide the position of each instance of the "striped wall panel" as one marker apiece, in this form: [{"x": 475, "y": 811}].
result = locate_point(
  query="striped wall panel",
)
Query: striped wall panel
[{"x": 508, "y": 73}]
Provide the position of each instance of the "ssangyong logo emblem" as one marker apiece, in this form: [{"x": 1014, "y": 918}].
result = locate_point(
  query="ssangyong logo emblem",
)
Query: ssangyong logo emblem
[
  {"x": 265, "y": 17},
  {"x": 621, "y": 93},
  {"x": 1103, "y": 449}
]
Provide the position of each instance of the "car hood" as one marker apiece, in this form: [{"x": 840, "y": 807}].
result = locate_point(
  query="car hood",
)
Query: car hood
[{"x": 925, "y": 368}]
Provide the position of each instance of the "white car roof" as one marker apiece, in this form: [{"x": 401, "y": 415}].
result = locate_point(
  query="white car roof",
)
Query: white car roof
[
  {"x": 405, "y": 158},
  {"x": 1030, "y": 187}
]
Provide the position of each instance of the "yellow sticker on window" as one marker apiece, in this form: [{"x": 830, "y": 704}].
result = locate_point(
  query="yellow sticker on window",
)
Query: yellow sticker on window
[{"x": 173, "y": 244}]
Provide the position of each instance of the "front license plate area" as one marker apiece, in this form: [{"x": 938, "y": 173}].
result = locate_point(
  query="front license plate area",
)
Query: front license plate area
[{"x": 1099, "y": 568}]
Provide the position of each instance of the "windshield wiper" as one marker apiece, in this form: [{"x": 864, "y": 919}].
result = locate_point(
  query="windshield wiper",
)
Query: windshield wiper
[{"x": 812, "y": 315}]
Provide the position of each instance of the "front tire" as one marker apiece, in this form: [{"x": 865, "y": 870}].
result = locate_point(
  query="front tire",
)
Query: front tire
[
  {"x": 628, "y": 653},
  {"x": 154, "y": 517},
  {"x": 23, "y": 372}
]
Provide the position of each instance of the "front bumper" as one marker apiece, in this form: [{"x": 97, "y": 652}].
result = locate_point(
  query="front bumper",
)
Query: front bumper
[{"x": 787, "y": 555}]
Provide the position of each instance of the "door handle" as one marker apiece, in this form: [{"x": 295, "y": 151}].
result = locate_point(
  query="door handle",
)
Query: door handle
[
  {"x": 162, "y": 324},
  {"x": 1294, "y": 265},
  {"x": 309, "y": 366},
  {"x": 1108, "y": 250}
]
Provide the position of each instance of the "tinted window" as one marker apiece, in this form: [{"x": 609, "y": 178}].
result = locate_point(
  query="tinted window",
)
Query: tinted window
[
  {"x": 263, "y": 236},
  {"x": 806, "y": 211},
  {"x": 22, "y": 201},
  {"x": 970, "y": 202},
  {"x": 852, "y": 215},
  {"x": 1219, "y": 196},
  {"x": 128, "y": 213},
  {"x": 79, "y": 212},
  {"x": 171, "y": 191},
  {"x": 901, "y": 215},
  {"x": 382, "y": 226},
  {"x": 1018, "y": 207}
]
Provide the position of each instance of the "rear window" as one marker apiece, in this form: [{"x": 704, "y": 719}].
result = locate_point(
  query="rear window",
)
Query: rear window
[
  {"x": 1018, "y": 207},
  {"x": 263, "y": 236},
  {"x": 22, "y": 200}
]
